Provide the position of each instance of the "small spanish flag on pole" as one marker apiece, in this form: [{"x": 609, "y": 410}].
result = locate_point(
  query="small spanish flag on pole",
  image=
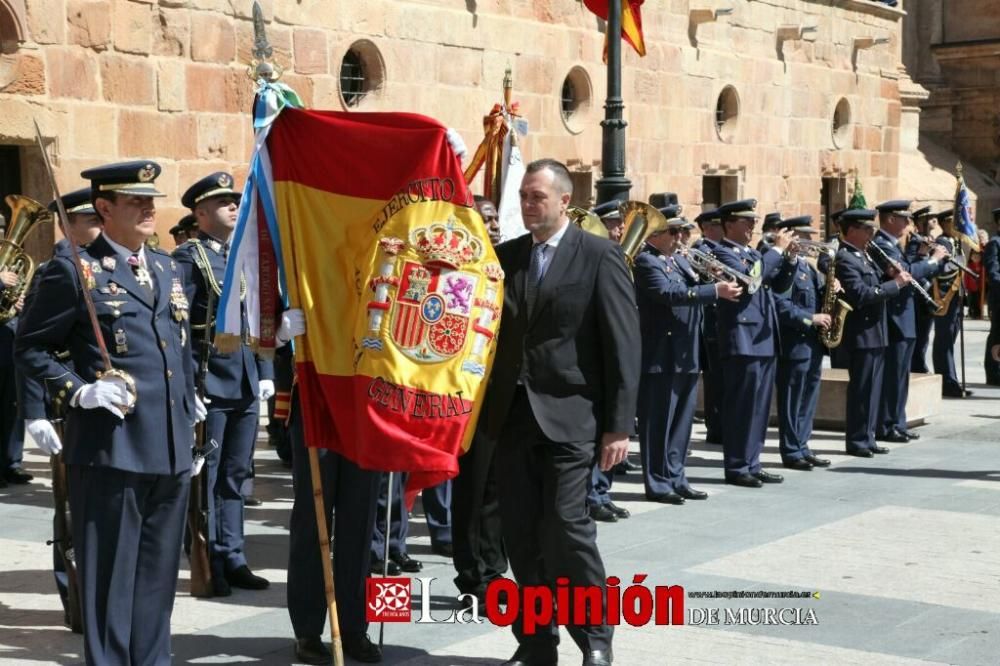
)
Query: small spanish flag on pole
[{"x": 631, "y": 22}]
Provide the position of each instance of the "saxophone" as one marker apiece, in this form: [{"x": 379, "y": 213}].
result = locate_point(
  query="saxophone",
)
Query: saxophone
[{"x": 836, "y": 307}]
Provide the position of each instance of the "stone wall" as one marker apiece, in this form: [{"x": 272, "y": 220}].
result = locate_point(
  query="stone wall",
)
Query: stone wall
[{"x": 120, "y": 79}]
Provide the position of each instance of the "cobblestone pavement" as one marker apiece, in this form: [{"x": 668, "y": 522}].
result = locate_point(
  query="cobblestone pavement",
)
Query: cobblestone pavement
[{"x": 903, "y": 551}]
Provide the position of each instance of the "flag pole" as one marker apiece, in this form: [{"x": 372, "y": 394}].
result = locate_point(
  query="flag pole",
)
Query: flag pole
[
  {"x": 385, "y": 551},
  {"x": 263, "y": 71},
  {"x": 959, "y": 250}
]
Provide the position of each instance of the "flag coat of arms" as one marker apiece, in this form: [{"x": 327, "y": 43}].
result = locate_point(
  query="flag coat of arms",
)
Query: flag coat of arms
[{"x": 377, "y": 242}]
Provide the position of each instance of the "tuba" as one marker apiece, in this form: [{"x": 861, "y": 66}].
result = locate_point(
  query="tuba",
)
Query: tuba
[
  {"x": 641, "y": 221},
  {"x": 589, "y": 222},
  {"x": 25, "y": 215}
]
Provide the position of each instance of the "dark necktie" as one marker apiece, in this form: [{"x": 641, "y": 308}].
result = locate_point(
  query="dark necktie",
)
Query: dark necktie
[{"x": 536, "y": 271}]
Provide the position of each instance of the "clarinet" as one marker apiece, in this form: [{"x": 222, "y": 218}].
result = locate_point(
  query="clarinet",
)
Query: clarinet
[{"x": 888, "y": 262}]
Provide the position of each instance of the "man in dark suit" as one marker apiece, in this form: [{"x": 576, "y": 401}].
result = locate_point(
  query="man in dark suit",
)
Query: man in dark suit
[
  {"x": 894, "y": 221},
  {"x": 563, "y": 392},
  {"x": 234, "y": 383},
  {"x": 670, "y": 300},
  {"x": 991, "y": 264},
  {"x": 128, "y": 440},
  {"x": 748, "y": 344},
  {"x": 800, "y": 359},
  {"x": 711, "y": 363},
  {"x": 866, "y": 332}
]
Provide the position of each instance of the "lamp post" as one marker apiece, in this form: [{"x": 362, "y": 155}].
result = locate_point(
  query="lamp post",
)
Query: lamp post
[{"x": 613, "y": 184}]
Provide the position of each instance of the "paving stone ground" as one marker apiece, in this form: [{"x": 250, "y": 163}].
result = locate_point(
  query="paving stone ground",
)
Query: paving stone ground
[{"x": 903, "y": 551}]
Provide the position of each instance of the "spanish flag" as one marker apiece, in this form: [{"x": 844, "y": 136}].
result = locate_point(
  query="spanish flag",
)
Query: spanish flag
[
  {"x": 377, "y": 242},
  {"x": 631, "y": 21}
]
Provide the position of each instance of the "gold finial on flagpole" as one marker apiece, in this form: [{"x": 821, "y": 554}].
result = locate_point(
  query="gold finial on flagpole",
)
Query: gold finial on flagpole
[
  {"x": 261, "y": 68},
  {"x": 508, "y": 86}
]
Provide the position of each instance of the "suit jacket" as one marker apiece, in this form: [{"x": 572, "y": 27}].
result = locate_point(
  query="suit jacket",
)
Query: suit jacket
[
  {"x": 147, "y": 336},
  {"x": 232, "y": 376},
  {"x": 577, "y": 353},
  {"x": 861, "y": 280},
  {"x": 903, "y": 307},
  {"x": 670, "y": 300},
  {"x": 749, "y": 326},
  {"x": 796, "y": 306}
]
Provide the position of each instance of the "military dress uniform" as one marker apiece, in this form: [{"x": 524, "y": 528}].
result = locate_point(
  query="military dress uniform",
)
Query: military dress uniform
[
  {"x": 800, "y": 360},
  {"x": 916, "y": 251},
  {"x": 902, "y": 335},
  {"x": 991, "y": 264},
  {"x": 670, "y": 302},
  {"x": 128, "y": 478},
  {"x": 711, "y": 362},
  {"x": 946, "y": 289},
  {"x": 748, "y": 345},
  {"x": 865, "y": 338},
  {"x": 231, "y": 387}
]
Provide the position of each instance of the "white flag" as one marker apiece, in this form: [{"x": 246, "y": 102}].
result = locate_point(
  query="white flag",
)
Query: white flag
[{"x": 509, "y": 210}]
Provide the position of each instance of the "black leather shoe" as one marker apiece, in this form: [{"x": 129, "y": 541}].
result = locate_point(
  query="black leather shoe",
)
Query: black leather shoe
[
  {"x": 861, "y": 453},
  {"x": 442, "y": 549},
  {"x": 801, "y": 464},
  {"x": 909, "y": 434},
  {"x": 745, "y": 480},
  {"x": 406, "y": 563},
  {"x": 597, "y": 658},
  {"x": 879, "y": 449},
  {"x": 767, "y": 477},
  {"x": 949, "y": 392},
  {"x": 666, "y": 498},
  {"x": 690, "y": 493},
  {"x": 220, "y": 588},
  {"x": 246, "y": 579},
  {"x": 619, "y": 512},
  {"x": 603, "y": 514},
  {"x": 360, "y": 648},
  {"x": 817, "y": 462},
  {"x": 252, "y": 501},
  {"x": 525, "y": 656},
  {"x": 629, "y": 466},
  {"x": 378, "y": 568},
  {"x": 893, "y": 436},
  {"x": 17, "y": 476},
  {"x": 312, "y": 650}
]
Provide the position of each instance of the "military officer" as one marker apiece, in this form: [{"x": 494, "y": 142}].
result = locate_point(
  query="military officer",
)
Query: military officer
[
  {"x": 748, "y": 330},
  {"x": 128, "y": 439},
  {"x": 946, "y": 289},
  {"x": 35, "y": 408},
  {"x": 670, "y": 299},
  {"x": 801, "y": 355},
  {"x": 894, "y": 221},
  {"x": 611, "y": 216},
  {"x": 234, "y": 383},
  {"x": 771, "y": 221},
  {"x": 866, "y": 332},
  {"x": 991, "y": 265},
  {"x": 711, "y": 363},
  {"x": 916, "y": 251},
  {"x": 186, "y": 228}
]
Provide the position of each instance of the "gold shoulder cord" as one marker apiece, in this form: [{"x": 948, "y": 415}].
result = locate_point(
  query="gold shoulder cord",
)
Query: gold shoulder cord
[{"x": 206, "y": 269}]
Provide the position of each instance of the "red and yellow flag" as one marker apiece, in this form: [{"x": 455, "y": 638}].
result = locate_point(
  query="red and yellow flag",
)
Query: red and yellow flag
[
  {"x": 631, "y": 21},
  {"x": 399, "y": 284}
]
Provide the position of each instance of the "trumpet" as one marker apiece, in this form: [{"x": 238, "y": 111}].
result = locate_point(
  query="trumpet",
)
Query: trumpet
[
  {"x": 880, "y": 257},
  {"x": 924, "y": 240},
  {"x": 714, "y": 270}
]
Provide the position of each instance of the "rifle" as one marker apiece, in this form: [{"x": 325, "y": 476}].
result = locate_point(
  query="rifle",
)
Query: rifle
[
  {"x": 62, "y": 537},
  {"x": 198, "y": 507}
]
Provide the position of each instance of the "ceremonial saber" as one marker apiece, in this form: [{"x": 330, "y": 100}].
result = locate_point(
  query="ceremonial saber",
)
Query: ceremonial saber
[
  {"x": 385, "y": 551},
  {"x": 78, "y": 264}
]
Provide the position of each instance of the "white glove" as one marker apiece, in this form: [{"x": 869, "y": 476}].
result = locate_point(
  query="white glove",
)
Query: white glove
[
  {"x": 44, "y": 435},
  {"x": 107, "y": 392},
  {"x": 457, "y": 144},
  {"x": 200, "y": 410},
  {"x": 265, "y": 389},
  {"x": 293, "y": 323}
]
